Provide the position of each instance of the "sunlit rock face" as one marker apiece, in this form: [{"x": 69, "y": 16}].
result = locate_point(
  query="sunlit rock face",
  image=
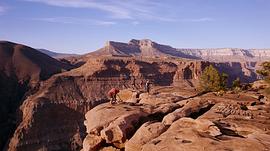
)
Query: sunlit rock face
[
  {"x": 178, "y": 120},
  {"x": 229, "y": 54},
  {"x": 148, "y": 48}
]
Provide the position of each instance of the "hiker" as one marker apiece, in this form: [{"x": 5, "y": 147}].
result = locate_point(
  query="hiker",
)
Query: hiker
[
  {"x": 112, "y": 94},
  {"x": 133, "y": 82},
  {"x": 141, "y": 84},
  {"x": 147, "y": 86}
]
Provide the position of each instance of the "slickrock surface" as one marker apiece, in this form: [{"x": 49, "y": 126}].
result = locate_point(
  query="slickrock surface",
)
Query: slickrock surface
[
  {"x": 144, "y": 134},
  {"x": 201, "y": 134},
  {"x": 181, "y": 122}
]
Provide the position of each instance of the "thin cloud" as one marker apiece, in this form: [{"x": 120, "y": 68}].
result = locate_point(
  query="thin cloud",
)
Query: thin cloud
[
  {"x": 116, "y": 9},
  {"x": 150, "y": 16},
  {"x": 134, "y": 10},
  {"x": 205, "y": 19},
  {"x": 76, "y": 21},
  {"x": 135, "y": 23}
]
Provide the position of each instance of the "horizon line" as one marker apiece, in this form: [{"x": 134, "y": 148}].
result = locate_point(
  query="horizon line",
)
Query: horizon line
[{"x": 194, "y": 48}]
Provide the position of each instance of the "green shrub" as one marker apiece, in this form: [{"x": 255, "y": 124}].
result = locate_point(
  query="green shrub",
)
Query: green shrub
[
  {"x": 265, "y": 72},
  {"x": 223, "y": 81},
  {"x": 211, "y": 80}
]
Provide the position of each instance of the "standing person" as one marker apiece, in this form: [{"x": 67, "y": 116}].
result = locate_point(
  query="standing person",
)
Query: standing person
[
  {"x": 112, "y": 95},
  {"x": 133, "y": 82},
  {"x": 147, "y": 86},
  {"x": 141, "y": 84}
]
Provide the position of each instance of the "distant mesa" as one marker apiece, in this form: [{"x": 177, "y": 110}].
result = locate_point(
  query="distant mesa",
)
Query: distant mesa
[
  {"x": 140, "y": 48},
  {"x": 148, "y": 48}
]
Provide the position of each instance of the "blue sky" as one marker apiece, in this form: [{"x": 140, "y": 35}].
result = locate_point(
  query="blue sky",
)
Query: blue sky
[{"x": 81, "y": 26}]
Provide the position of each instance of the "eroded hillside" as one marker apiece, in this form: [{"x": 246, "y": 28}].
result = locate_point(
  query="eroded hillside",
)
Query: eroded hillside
[
  {"x": 53, "y": 117},
  {"x": 21, "y": 70}
]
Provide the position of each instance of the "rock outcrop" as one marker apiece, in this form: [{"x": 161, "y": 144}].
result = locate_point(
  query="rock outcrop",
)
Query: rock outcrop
[
  {"x": 202, "y": 134},
  {"x": 147, "y": 132},
  {"x": 196, "y": 122}
]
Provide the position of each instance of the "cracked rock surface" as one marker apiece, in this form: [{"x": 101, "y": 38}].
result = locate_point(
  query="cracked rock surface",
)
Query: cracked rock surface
[{"x": 176, "y": 121}]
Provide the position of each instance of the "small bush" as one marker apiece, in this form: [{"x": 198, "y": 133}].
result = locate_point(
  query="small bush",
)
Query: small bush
[
  {"x": 223, "y": 81},
  {"x": 265, "y": 72},
  {"x": 211, "y": 80}
]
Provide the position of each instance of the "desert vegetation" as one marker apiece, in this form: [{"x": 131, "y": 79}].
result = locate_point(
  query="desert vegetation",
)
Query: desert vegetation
[
  {"x": 211, "y": 80},
  {"x": 265, "y": 73}
]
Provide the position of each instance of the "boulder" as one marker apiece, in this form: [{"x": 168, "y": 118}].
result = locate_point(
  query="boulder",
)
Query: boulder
[
  {"x": 114, "y": 124},
  {"x": 103, "y": 115},
  {"x": 144, "y": 134},
  {"x": 119, "y": 129},
  {"x": 91, "y": 142},
  {"x": 194, "y": 105}
]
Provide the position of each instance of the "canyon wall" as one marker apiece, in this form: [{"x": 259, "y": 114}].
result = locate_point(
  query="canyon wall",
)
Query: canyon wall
[
  {"x": 21, "y": 69},
  {"x": 52, "y": 118}
]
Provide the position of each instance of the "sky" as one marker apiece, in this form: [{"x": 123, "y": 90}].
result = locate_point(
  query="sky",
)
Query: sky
[{"x": 82, "y": 26}]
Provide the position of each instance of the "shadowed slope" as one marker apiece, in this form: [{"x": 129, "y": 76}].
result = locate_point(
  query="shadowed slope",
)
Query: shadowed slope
[{"x": 21, "y": 69}]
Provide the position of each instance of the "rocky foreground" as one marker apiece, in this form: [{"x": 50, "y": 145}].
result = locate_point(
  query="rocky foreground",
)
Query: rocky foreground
[{"x": 170, "y": 118}]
